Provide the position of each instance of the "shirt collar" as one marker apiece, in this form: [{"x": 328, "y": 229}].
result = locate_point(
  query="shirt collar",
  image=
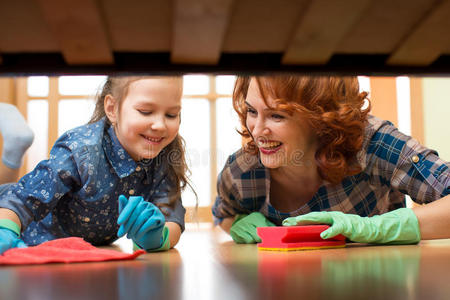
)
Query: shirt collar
[{"x": 118, "y": 157}]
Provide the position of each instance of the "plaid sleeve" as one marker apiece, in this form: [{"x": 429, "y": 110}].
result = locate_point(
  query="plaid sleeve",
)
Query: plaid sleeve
[
  {"x": 226, "y": 204},
  {"x": 405, "y": 165}
]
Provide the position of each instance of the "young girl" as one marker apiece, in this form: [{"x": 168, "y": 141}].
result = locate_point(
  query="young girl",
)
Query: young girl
[
  {"x": 122, "y": 173},
  {"x": 315, "y": 155}
]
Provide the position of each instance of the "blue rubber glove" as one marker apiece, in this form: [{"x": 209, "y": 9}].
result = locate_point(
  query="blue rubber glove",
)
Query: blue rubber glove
[
  {"x": 142, "y": 222},
  {"x": 9, "y": 236}
]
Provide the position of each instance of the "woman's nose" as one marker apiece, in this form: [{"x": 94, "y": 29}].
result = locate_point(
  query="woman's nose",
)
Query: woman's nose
[{"x": 260, "y": 128}]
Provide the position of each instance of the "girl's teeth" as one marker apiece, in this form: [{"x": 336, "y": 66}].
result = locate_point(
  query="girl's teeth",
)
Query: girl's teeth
[{"x": 153, "y": 140}]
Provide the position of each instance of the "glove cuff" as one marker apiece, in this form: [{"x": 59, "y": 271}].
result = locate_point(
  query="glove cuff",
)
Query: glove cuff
[
  {"x": 398, "y": 227},
  {"x": 237, "y": 218},
  {"x": 8, "y": 224},
  {"x": 165, "y": 242},
  {"x": 411, "y": 219}
]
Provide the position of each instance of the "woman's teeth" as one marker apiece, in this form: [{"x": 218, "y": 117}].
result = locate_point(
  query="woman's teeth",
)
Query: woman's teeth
[{"x": 268, "y": 145}]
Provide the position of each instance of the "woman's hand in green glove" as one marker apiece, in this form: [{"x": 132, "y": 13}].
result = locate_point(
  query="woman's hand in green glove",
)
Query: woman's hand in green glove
[
  {"x": 243, "y": 229},
  {"x": 396, "y": 227}
]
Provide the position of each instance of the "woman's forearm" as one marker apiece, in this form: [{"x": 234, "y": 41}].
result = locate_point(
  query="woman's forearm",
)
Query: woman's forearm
[
  {"x": 434, "y": 219},
  {"x": 226, "y": 224}
]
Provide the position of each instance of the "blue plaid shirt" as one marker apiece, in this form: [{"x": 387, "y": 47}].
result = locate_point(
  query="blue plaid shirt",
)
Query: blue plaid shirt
[
  {"x": 75, "y": 192},
  {"x": 393, "y": 165}
]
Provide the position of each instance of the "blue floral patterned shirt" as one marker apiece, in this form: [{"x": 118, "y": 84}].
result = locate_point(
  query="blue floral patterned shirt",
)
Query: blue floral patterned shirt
[
  {"x": 75, "y": 192},
  {"x": 393, "y": 164}
]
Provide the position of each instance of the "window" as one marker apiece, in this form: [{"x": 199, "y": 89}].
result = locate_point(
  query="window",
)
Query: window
[{"x": 208, "y": 127}]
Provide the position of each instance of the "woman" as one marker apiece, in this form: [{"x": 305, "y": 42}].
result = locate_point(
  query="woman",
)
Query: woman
[{"x": 312, "y": 146}]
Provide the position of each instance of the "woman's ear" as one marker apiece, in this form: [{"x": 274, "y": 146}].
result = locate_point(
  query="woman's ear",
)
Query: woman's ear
[{"x": 111, "y": 108}]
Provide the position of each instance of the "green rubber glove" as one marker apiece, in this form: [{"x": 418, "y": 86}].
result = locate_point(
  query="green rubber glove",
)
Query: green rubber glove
[
  {"x": 396, "y": 227},
  {"x": 243, "y": 229},
  {"x": 164, "y": 246}
]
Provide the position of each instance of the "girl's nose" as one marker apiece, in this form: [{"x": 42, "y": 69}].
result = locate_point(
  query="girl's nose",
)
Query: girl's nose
[{"x": 158, "y": 124}]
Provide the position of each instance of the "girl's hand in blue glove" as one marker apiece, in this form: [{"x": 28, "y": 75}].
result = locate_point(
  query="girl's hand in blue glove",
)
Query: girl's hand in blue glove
[
  {"x": 142, "y": 221},
  {"x": 9, "y": 239}
]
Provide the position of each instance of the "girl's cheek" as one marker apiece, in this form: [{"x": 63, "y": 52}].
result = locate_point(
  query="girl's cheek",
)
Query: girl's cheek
[{"x": 176, "y": 125}]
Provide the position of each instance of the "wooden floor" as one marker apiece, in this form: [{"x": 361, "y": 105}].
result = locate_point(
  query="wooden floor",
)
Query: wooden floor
[{"x": 206, "y": 264}]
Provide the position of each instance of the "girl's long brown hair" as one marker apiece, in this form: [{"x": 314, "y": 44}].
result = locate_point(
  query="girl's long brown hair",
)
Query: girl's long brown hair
[
  {"x": 173, "y": 155},
  {"x": 332, "y": 106}
]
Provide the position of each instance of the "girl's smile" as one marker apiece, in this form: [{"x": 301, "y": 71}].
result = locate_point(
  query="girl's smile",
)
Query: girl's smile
[
  {"x": 143, "y": 122},
  {"x": 153, "y": 140}
]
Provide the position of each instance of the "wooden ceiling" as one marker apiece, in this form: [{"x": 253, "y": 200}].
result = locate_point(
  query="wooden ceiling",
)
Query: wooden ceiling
[{"x": 224, "y": 36}]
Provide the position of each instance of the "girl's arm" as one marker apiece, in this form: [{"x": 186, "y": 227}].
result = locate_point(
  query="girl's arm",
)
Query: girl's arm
[
  {"x": 174, "y": 233},
  {"x": 434, "y": 219},
  {"x": 38, "y": 192},
  {"x": 10, "y": 215}
]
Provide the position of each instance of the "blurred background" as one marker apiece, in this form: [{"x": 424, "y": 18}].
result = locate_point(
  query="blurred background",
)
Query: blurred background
[{"x": 418, "y": 106}]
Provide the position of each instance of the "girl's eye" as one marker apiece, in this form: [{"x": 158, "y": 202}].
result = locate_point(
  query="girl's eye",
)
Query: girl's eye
[
  {"x": 172, "y": 116},
  {"x": 144, "y": 112}
]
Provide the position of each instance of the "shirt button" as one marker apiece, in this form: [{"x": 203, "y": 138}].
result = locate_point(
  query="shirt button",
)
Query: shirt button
[
  {"x": 86, "y": 219},
  {"x": 131, "y": 192},
  {"x": 138, "y": 168},
  {"x": 415, "y": 159}
]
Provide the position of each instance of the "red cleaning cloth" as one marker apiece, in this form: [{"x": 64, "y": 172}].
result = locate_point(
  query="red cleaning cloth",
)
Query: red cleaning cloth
[{"x": 66, "y": 250}]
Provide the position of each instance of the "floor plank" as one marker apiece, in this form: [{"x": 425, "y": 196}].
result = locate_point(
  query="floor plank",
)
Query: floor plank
[{"x": 206, "y": 264}]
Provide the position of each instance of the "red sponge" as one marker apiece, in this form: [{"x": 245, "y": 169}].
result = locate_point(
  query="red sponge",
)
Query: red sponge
[{"x": 287, "y": 238}]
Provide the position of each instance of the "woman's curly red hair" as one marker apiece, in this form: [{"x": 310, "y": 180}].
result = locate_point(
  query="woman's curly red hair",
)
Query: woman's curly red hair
[{"x": 333, "y": 107}]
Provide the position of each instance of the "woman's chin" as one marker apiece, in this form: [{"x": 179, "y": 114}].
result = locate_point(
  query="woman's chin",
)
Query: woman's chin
[
  {"x": 270, "y": 163},
  {"x": 273, "y": 159}
]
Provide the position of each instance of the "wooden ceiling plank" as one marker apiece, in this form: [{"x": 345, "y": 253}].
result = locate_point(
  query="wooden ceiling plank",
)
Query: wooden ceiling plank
[
  {"x": 79, "y": 29},
  {"x": 383, "y": 25},
  {"x": 262, "y": 26},
  {"x": 427, "y": 41},
  {"x": 320, "y": 30},
  {"x": 138, "y": 26},
  {"x": 199, "y": 30},
  {"x": 22, "y": 29}
]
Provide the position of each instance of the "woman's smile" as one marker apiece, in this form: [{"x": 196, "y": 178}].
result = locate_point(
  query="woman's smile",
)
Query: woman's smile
[{"x": 269, "y": 147}]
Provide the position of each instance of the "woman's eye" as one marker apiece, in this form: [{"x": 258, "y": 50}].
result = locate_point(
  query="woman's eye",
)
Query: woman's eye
[
  {"x": 277, "y": 116},
  {"x": 251, "y": 111}
]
